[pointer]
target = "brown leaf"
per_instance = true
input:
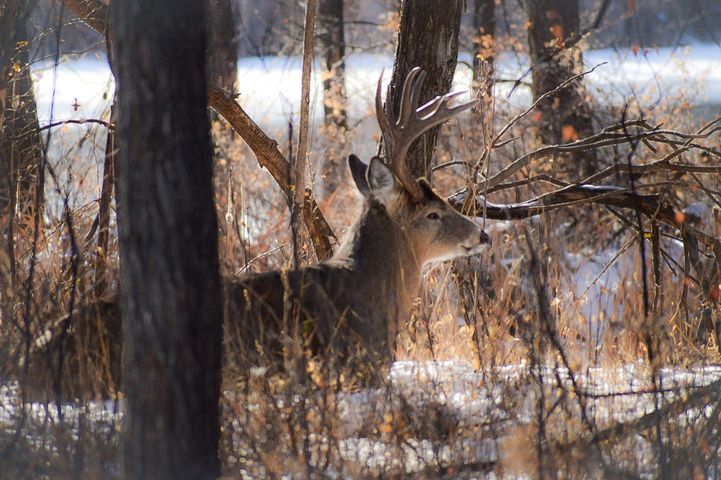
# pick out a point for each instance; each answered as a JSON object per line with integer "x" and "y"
{"x": 569, "y": 133}
{"x": 557, "y": 31}
{"x": 630, "y": 6}
{"x": 679, "y": 217}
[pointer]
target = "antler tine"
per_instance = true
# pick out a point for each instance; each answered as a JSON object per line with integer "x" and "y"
{"x": 383, "y": 121}
{"x": 437, "y": 110}
{"x": 410, "y": 94}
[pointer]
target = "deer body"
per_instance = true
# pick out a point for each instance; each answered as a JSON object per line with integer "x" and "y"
{"x": 354, "y": 302}
{"x": 355, "y": 297}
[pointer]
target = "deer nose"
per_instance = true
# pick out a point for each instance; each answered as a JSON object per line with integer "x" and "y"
{"x": 485, "y": 238}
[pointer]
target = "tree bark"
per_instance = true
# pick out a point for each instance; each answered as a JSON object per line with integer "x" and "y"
{"x": 22, "y": 177}
{"x": 222, "y": 45}
{"x": 331, "y": 37}
{"x": 170, "y": 284}
{"x": 21, "y": 173}
{"x": 484, "y": 38}
{"x": 567, "y": 116}
{"x": 106, "y": 194}
{"x": 428, "y": 38}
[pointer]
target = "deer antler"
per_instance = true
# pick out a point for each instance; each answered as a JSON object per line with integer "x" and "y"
{"x": 412, "y": 122}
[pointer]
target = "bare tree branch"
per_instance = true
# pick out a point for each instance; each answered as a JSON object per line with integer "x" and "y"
{"x": 613, "y": 135}
{"x": 269, "y": 157}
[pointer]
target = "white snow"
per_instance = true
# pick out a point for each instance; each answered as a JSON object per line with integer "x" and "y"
{"x": 269, "y": 87}
{"x": 474, "y": 401}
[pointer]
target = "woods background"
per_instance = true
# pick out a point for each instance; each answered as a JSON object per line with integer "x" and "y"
{"x": 584, "y": 343}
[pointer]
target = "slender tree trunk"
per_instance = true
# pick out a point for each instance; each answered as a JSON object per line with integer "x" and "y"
{"x": 428, "y": 38}
{"x": 21, "y": 155}
{"x": 107, "y": 189}
{"x": 331, "y": 37}
{"x": 222, "y": 45}
{"x": 170, "y": 294}
{"x": 567, "y": 116}
{"x": 484, "y": 39}
{"x": 21, "y": 173}
{"x": 106, "y": 194}
{"x": 9, "y": 15}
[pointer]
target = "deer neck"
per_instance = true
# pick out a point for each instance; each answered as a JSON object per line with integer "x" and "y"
{"x": 381, "y": 257}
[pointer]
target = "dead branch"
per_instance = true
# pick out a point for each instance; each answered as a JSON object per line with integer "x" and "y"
{"x": 269, "y": 157}
{"x": 549, "y": 93}
{"x": 97, "y": 121}
{"x": 651, "y": 205}
{"x": 615, "y": 135}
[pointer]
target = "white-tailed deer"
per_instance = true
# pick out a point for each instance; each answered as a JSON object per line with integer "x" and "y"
{"x": 355, "y": 301}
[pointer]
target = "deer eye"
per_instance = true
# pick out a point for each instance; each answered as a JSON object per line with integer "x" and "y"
{"x": 433, "y": 216}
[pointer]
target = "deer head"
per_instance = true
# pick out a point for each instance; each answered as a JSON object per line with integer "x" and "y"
{"x": 434, "y": 230}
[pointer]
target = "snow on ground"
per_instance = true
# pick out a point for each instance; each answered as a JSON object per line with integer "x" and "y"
{"x": 270, "y": 86}
{"x": 450, "y": 389}
{"x": 479, "y": 400}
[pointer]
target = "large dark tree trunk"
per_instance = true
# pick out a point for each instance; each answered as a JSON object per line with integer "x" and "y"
{"x": 565, "y": 116}
{"x": 222, "y": 45}
{"x": 428, "y": 38}
{"x": 331, "y": 38}
{"x": 170, "y": 285}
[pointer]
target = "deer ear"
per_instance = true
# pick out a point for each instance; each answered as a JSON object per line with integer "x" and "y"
{"x": 381, "y": 180}
{"x": 358, "y": 171}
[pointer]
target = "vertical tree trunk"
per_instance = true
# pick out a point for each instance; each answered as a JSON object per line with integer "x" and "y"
{"x": 170, "y": 294}
{"x": 484, "y": 39}
{"x": 222, "y": 45}
{"x": 21, "y": 175}
{"x": 106, "y": 193}
{"x": 428, "y": 38}
{"x": 331, "y": 37}
{"x": 107, "y": 187}
{"x": 9, "y": 15}
{"x": 21, "y": 155}
{"x": 566, "y": 116}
